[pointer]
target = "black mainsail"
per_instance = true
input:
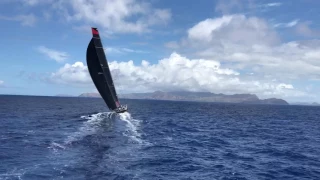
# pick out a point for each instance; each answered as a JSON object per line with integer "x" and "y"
{"x": 100, "y": 73}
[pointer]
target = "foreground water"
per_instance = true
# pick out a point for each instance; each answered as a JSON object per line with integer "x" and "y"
{"x": 76, "y": 138}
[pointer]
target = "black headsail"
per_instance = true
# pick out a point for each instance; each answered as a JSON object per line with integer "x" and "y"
{"x": 100, "y": 72}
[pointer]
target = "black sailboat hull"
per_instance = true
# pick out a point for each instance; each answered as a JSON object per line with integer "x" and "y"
{"x": 100, "y": 73}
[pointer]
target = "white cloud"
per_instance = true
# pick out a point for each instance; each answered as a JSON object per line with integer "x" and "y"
{"x": 293, "y": 60}
{"x": 235, "y": 29}
{"x": 177, "y": 73}
{"x": 159, "y": 16}
{"x": 289, "y": 24}
{"x": 284, "y": 86}
{"x": 203, "y": 31}
{"x": 25, "y": 20}
{"x": 252, "y": 47}
{"x": 243, "y": 6}
{"x": 53, "y": 54}
{"x": 121, "y": 16}
{"x": 292, "y": 23}
{"x": 113, "y": 15}
{"x": 251, "y": 44}
{"x": 273, "y": 4}
{"x": 239, "y": 54}
{"x": 76, "y": 73}
{"x": 116, "y": 50}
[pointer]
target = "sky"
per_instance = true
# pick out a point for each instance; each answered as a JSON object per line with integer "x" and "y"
{"x": 267, "y": 48}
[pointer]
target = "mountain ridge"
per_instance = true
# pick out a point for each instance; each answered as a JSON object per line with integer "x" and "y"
{"x": 197, "y": 96}
{"x": 306, "y": 103}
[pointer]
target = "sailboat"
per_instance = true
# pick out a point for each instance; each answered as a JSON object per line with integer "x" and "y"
{"x": 101, "y": 75}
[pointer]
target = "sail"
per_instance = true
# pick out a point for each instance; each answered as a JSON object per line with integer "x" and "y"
{"x": 100, "y": 72}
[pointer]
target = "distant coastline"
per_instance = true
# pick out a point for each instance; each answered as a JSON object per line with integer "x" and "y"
{"x": 155, "y": 96}
{"x": 197, "y": 96}
{"x": 65, "y": 95}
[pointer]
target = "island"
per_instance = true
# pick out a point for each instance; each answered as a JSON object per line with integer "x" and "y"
{"x": 197, "y": 96}
{"x": 96, "y": 95}
{"x": 306, "y": 103}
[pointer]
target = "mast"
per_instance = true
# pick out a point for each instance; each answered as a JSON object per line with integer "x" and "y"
{"x": 100, "y": 72}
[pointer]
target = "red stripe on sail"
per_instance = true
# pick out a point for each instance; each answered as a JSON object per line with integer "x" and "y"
{"x": 95, "y": 31}
{"x": 117, "y": 103}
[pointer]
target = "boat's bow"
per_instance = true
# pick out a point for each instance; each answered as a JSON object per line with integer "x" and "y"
{"x": 121, "y": 109}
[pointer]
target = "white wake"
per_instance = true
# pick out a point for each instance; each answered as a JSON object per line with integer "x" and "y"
{"x": 132, "y": 127}
{"x": 104, "y": 120}
{"x": 89, "y": 127}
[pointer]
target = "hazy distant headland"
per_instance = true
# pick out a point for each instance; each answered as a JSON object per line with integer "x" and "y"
{"x": 306, "y": 103}
{"x": 197, "y": 96}
{"x": 64, "y": 95}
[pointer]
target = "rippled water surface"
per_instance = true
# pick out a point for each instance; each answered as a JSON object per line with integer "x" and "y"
{"x": 77, "y": 138}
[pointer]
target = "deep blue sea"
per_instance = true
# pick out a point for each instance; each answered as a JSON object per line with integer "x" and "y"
{"x": 77, "y": 138}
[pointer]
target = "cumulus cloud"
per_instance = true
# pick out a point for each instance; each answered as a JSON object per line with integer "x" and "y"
{"x": 58, "y": 56}
{"x": 288, "y": 60}
{"x": 122, "y": 16}
{"x": 251, "y": 44}
{"x": 235, "y": 29}
{"x": 176, "y": 73}
{"x": 76, "y": 73}
{"x": 252, "y": 47}
{"x": 25, "y": 20}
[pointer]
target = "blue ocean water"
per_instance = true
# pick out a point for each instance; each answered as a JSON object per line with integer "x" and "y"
{"x": 77, "y": 138}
